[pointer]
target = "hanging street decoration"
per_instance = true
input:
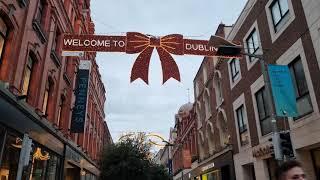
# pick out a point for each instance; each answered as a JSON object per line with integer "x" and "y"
{"x": 135, "y": 42}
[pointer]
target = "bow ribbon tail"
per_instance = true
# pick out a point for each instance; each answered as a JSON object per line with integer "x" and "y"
{"x": 169, "y": 66}
{"x": 140, "y": 67}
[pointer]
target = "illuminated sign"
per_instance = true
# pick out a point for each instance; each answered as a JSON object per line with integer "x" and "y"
{"x": 135, "y": 42}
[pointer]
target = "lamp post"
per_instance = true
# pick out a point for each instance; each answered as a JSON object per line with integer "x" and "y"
{"x": 233, "y": 51}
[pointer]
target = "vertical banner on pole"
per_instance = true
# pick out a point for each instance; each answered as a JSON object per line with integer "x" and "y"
{"x": 282, "y": 91}
{"x": 81, "y": 92}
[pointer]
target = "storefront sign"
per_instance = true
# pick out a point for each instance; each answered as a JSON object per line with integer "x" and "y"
{"x": 207, "y": 167}
{"x": 72, "y": 155}
{"x": 143, "y": 44}
{"x": 283, "y": 91}
{"x": 80, "y": 107}
{"x": 262, "y": 151}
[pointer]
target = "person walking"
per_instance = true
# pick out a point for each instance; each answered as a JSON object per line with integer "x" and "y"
{"x": 290, "y": 170}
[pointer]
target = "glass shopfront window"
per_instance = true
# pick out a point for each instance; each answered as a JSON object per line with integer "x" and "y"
{"x": 214, "y": 175}
{"x": 43, "y": 165}
{"x": 10, "y": 156}
{"x": 89, "y": 176}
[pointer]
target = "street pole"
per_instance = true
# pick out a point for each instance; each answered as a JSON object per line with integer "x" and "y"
{"x": 236, "y": 51}
{"x": 275, "y": 132}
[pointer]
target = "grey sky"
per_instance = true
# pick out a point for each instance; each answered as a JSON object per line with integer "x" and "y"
{"x": 151, "y": 108}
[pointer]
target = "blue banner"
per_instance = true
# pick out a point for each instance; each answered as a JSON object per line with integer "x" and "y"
{"x": 282, "y": 91}
{"x": 79, "y": 110}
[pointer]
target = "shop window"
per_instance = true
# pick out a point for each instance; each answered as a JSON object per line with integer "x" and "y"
{"x": 27, "y": 75}
{"x": 263, "y": 111}
{"x": 280, "y": 13}
{"x": 304, "y": 104}
{"x": 10, "y": 157}
{"x": 234, "y": 69}
{"x": 3, "y": 36}
{"x": 242, "y": 124}
{"x": 43, "y": 164}
{"x": 252, "y": 43}
{"x": 214, "y": 175}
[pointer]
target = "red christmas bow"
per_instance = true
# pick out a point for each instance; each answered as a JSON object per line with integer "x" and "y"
{"x": 137, "y": 42}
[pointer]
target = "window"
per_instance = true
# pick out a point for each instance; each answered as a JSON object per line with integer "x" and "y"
{"x": 205, "y": 74}
{"x": 279, "y": 11}
{"x": 60, "y": 108}
{"x": 40, "y": 11}
{"x": 304, "y": 104}
{"x": 46, "y": 97}
{"x": 252, "y": 43}
{"x": 263, "y": 111}
{"x": 235, "y": 69}
{"x": 10, "y": 156}
{"x": 43, "y": 164}
{"x": 3, "y": 35}
{"x": 27, "y": 76}
{"x": 243, "y": 130}
{"x": 207, "y": 103}
{"x": 218, "y": 89}
{"x": 197, "y": 89}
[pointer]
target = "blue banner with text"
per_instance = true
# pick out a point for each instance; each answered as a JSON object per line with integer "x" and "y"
{"x": 282, "y": 91}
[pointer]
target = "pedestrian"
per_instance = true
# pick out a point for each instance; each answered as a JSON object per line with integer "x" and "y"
{"x": 290, "y": 170}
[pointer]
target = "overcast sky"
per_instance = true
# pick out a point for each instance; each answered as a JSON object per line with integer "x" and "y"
{"x": 151, "y": 108}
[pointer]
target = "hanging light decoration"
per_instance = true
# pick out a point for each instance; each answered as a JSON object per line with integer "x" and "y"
{"x": 38, "y": 155}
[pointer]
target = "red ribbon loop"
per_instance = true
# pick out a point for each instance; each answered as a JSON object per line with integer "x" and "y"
{"x": 140, "y": 43}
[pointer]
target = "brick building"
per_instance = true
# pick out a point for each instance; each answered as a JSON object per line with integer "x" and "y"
{"x": 213, "y": 124}
{"x": 184, "y": 152}
{"x": 37, "y": 93}
{"x": 285, "y": 32}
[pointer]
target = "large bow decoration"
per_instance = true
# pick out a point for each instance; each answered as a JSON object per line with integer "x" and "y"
{"x": 135, "y": 42}
{"x": 140, "y": 43}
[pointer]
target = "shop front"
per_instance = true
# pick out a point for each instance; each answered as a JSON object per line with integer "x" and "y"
{"x": 29, "y": 148}
{"x": 77, "y": 166}
{"x": 218, "y": 168}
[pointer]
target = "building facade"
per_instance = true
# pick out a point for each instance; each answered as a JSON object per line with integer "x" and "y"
{"x": 213, "y": 123}
{"x": 184, "y": 151}
{"x": 284, "y": 32}
{"x": 37, "y": 93}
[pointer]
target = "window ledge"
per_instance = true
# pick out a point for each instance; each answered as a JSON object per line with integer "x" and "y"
{"x": 67, "y": 79}
{"x": 37, "y": 27}
{"x": 55, "y": 58}
{"x": 23, "y": 3}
